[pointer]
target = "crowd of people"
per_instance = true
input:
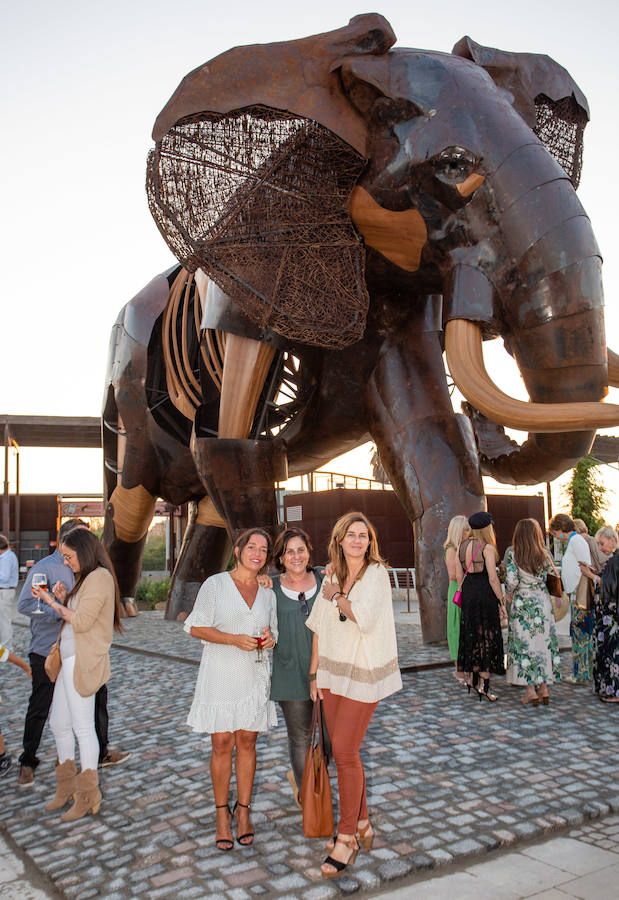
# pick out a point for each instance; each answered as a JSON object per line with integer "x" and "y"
{"x": 304, "y": 636}
{"x": 479, "y": 606}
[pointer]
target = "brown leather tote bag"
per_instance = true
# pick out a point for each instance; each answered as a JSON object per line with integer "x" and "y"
{"x": 53, "y": 662}
{"x": 315, "y": 796}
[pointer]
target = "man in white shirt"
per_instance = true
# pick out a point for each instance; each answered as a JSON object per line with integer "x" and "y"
{"x": 576, "y": 550}
{"x": 9, "y": 576}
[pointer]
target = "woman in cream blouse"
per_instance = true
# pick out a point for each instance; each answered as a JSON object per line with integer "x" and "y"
{"x": 354, "y": 664}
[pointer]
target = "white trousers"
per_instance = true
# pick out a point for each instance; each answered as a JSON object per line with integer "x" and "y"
{"x": 73, "y": 716}
{"x": 7, "y": 595}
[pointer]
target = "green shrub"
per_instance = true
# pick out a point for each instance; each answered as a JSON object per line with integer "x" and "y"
{"x": 152, "y": 592}
{"x": 153, "y": 558}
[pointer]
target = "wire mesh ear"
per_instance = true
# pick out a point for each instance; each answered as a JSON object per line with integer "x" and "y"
{"x": 258, "y": 199}
{"x": 560, "y": 126}
{"x": 543, "y": 93}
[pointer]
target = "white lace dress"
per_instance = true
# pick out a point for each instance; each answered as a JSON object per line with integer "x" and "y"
{"x": 232, "y": 689}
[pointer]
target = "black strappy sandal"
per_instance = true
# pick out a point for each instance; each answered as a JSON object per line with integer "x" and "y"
{"x": 484, "y": 691}
{"x": 241, "y": 838}
{"x": 219, "y": 842}
{"x": 336, "y": 864}
{"x": 473, "y": 682}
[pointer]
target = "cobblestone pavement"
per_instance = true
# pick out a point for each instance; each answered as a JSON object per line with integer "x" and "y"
{"x": 448, "y": 778}
{"x": 157, "y": 634}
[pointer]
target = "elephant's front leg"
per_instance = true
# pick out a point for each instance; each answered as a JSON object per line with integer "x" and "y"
{"x": 205, "y": 550}
{"x": 429, "y": 454}
{"x": 239, "y": 474}
{"x": 128, "y": 514}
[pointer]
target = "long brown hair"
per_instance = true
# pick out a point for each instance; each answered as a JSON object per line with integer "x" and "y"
{"x": 91, "y": 555}
{"x": 529, "y": 548}
{"x": 243, "y": 540}
{"x": 336, "y": 554}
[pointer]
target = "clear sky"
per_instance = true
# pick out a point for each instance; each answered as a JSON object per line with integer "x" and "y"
{"x": 82, "y": 84}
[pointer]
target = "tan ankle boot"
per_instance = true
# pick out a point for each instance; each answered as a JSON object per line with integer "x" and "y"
{"x": 65, "y": 784}
{"x": 87, "y": 796}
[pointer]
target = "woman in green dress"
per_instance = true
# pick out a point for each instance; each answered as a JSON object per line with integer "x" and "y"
{"x": 296, "y": 589}
{"x": 457, "y": 531}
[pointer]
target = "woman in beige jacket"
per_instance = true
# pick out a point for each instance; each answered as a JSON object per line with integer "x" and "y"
{"x": 90, "y": 613}
{"x": 354, "y": 665}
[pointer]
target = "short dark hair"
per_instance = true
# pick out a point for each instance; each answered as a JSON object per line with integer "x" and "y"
{"x": 561, "y": 522}
{"x": 4, "y": 542}
{"x": 282, "y": 542}
{"x": 243, "y": 539}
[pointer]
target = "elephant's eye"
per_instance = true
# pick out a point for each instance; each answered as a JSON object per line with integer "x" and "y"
{"x": 454, "y": 165}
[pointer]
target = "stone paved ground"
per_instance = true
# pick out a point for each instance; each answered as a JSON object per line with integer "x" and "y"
{"x": 156, "y": 634}
{"x": 448, "y": 778}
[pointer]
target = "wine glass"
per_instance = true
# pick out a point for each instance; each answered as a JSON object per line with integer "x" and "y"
{"x": 260, "y": 639}
{"x": 39, "y": 579}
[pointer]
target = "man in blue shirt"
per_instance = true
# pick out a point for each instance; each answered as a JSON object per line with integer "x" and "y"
{"x": 44, "y": 628}
{"x": 9, "y": 576}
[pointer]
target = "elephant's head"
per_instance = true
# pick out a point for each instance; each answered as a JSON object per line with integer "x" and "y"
{"x": 436, "y": 159}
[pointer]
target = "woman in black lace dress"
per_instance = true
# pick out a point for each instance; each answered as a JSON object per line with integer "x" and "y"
{"x": 480, "y": 651}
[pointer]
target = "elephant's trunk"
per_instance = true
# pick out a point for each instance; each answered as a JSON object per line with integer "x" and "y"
{"x": 552, "y": 304}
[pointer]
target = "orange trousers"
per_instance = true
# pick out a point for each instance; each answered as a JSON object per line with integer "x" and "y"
{"x": 347, "y": 722}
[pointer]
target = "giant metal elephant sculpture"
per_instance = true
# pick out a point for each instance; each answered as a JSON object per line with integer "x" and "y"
{"x": 350, "y": 211}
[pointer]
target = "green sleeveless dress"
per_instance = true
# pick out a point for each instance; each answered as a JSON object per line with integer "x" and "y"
{"x": 453, "y": 618}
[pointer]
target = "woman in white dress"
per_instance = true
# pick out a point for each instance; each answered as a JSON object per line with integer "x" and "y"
{"x": 236, "y": 620}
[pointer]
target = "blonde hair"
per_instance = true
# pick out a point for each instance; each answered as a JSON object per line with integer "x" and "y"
{"x": 608, "y": 532}
{"x": 486, "y": 536}
{"x": 455, "y": 532}
{"x": 336, "y": 554}
{"x": 580, "y": 526}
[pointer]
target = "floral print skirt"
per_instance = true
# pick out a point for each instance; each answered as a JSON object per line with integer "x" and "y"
{"x": 532, "y": 646}
{"x": 606, "y": 644}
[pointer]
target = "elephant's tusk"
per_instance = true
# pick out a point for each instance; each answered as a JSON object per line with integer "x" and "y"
{"x": 463, "y": 348}
{"x": 613, "y": 369}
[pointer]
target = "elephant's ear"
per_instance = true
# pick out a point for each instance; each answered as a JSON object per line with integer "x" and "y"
{"x": 297, "y": 76}
{"x": 544, "y": 94}
{"x": 256, "y": 156}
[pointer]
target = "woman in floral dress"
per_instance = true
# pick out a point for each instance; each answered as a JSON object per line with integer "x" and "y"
{"x": 532, "y": 647}
{"x": 606, "y": 612}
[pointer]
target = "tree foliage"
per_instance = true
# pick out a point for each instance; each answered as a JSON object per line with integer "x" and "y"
{"x": 587, "y": 494}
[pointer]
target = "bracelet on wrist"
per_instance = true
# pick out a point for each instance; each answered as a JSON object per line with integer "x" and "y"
{"x": 312, "y": 676}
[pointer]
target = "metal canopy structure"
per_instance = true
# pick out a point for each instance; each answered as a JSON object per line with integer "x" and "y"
{"x": 41, "y": 431}
{"x": 51, "y": 431}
